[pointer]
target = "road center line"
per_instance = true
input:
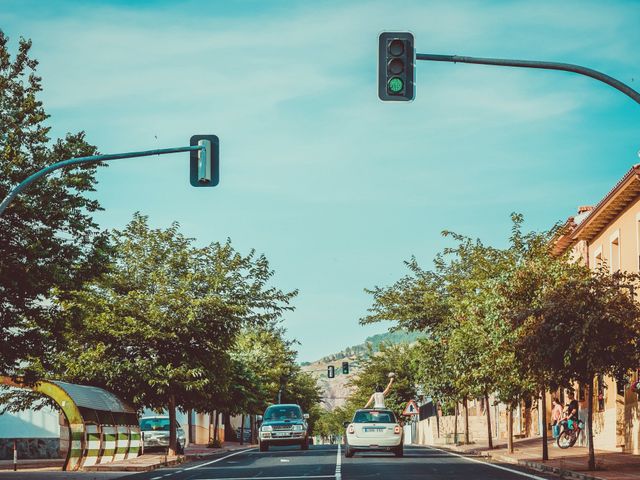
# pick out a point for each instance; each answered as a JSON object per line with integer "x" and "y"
{"x": 339, "y": 463}
{"x": 518, "y": 472}
{"x": 219, "y": 459}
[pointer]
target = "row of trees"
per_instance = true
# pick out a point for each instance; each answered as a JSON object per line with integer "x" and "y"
{"x": 513, "y": 323}
{"x": 143, "y": 312}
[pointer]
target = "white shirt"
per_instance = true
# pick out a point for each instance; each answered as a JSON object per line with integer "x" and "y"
{"x": 378, "y": 399}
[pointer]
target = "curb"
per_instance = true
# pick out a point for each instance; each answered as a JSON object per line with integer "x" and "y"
{"x": 114, "y": 467}
{"x": 529, "y": 464}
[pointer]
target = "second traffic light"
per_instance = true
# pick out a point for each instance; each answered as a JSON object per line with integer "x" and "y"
{"x": 331, "y": 371}
{"x": 345, "y": 368}
{"x": 396, "y": 66}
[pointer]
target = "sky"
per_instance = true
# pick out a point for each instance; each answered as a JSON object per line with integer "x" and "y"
{"x": 334, "y": 186}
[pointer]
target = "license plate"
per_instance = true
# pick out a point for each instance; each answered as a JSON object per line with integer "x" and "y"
{"x": 371, "y": 429}
{"x": 281, "y": 434}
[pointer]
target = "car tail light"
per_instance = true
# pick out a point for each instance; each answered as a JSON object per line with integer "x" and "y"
{"x": 351, "y": 429}
{"x": 396, "y": 429}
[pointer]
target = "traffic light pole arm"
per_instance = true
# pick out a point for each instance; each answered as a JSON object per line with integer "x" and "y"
{"x": 567, "y": 67}
{"x": 88, "y": 161}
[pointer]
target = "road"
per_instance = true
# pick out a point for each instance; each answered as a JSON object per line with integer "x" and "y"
{"x": 324, "y": 462}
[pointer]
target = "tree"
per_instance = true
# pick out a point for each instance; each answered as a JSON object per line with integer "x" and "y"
{"x": 374, "y": 372}
{"x": 157, "y": 328}
{"x": 48, "y": 238}
{"x": 597, "y": 321}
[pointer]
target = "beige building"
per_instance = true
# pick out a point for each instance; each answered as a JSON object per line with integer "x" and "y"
{"x": 608, "y": 236}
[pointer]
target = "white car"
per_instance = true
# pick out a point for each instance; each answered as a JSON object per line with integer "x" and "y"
{"x": 374, "y": 429}
{"x": 155, "y": 433}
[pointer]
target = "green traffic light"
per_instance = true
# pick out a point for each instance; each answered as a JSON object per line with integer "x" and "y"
{"x": 396, "y": 85}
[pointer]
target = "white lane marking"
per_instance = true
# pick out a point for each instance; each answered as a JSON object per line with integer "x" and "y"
{"x": 518, "y": 472}
{"x": 219, "y": 459}
{"x": 285, "y": 460}
{"x": 269, "y": 478}
{"x": 338, "y": 474}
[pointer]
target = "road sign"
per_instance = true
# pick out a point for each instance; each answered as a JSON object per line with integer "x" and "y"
{"x": 411, "y": 408}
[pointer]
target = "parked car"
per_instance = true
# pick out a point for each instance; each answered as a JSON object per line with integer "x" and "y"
{"x": 155, "y": 433}
{"x": 374, "y": 430}
{"x": 284, "y": 424}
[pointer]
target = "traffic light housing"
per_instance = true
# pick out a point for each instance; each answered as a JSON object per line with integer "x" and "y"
{"x": 396, "y": 66}
{"x": 331, "y": 371}
{"x": 205, "y": 164}
{"x": 345, "y": 368}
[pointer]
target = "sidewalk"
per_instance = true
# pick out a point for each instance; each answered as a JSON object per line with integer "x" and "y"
{"x": 569, "y": 463}
{"x": 143, "y": 463}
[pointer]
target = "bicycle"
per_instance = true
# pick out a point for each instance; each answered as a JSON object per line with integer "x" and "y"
{"x": 569, "y": 436}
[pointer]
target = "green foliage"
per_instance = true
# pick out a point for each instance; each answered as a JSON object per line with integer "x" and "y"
{"x": 374, "y": 372}
{"x": 48, "y": 239}
{"x": 162, "y": 320}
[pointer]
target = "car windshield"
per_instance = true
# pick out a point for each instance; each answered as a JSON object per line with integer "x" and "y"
{"x": 280, "y": 412}
{"x": 155, "y": 424}
{"x": 373, "y": 416}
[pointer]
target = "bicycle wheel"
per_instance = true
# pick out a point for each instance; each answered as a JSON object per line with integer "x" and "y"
{"x": 564, "y": 440}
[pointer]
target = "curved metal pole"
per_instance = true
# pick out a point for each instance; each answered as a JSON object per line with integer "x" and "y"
{"x": 87, "y": 161}
{"x": 567, "y": 67}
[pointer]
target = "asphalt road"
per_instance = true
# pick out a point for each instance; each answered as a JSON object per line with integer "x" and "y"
{"x": 324, "y": 462}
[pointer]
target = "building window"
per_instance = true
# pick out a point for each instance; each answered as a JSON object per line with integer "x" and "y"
{"x": 597, "y": 258}
{"x": 615, "y": 255}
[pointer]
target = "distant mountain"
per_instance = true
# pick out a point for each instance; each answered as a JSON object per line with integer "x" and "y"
{"x": 335, "y": 390}
{"x": 374, "y": 341}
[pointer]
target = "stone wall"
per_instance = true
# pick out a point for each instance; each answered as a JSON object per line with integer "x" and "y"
{"x": 30, "y": 448}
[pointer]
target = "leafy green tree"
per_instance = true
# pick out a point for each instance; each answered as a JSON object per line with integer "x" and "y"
{"x": 374, "y": 372}
{"x": 158, "y": 327}
{"x": 48, "y": 238}
{"x": 594, "y": 318}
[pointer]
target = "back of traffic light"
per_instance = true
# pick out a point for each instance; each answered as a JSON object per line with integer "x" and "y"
{"x": 331, "y": 371}
{"x": 396, "y": 66}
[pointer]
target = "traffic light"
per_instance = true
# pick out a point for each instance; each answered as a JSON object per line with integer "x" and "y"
{"x": 205, "y": 164}
{"x": 345, "y": 368}
{"x": 331, "y": 371}
{"x": 396, "y": 66}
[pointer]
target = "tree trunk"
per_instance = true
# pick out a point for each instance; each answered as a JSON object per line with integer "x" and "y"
{"x": 466, "y": 421}
{"x": 489, "y": 434}
{"x": 510, "y": 428}
{"x": 172, "y": 425}
{"x": 242, "y": 429}
{"x": 252, "y": 421}
{"x": 543, "y": 407}
{"x": 455, "y": 424}
{"x": 190, "y": 432}
{"x": 592, "y": 453}
{"x": 216, "y": 426}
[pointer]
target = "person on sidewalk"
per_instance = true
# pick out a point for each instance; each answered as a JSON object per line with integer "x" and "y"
{"x": 378, "y": 397}
{"x": 556, "y": 416}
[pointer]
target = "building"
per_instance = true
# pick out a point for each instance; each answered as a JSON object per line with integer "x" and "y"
{"x": 608, "y": 236}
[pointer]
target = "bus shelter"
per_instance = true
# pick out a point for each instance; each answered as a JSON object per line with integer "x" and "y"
{"x": 101, "y": 427}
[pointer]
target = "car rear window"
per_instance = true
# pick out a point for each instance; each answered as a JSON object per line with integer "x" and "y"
{"x": 374, "y": 416}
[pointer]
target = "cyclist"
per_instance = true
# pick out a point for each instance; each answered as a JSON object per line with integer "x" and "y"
{"x": 572, "y": 410}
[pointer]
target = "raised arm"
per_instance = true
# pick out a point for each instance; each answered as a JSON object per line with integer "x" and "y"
{"x": 386, "y": 390}
{"x": 369, "y": 402}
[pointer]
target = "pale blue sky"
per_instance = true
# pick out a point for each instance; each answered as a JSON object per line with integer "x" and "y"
{"x": 334, "y": 186}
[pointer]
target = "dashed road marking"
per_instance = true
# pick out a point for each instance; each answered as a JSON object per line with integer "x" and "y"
{"x": 338, "y": 474}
